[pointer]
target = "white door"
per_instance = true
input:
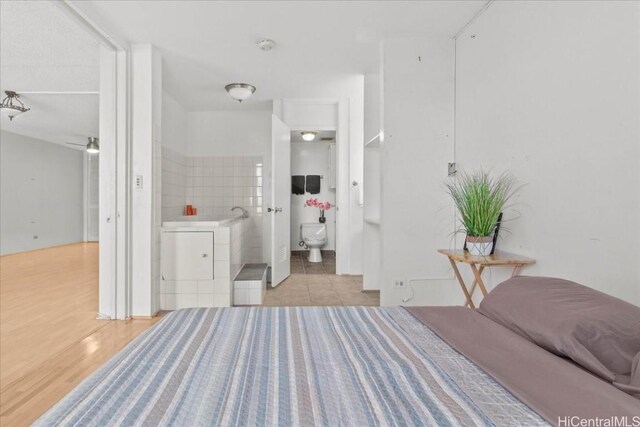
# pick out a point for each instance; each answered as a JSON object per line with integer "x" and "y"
{"x": 280, "y": 204}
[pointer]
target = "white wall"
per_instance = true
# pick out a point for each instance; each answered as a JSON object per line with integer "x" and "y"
{"x": 371, "y": 112}
{"x": 147, "y": 163}
{"x": 174, "y": 159}
{"x": 550, "y": 91}
{"x": 42, "y": 188}
{"x": 312, "y": 158}
{"x": 174, "y": 124}
{"x": 372, "y": 248}
{"x": 229, "y": 133}
{"x": 416, "y": 218}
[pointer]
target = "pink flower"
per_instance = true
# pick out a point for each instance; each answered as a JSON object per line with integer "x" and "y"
{"x": 312, "y": 202}
{"x": 315, "y": 203}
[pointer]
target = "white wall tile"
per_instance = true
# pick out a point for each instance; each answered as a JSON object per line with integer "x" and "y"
{"x": 206, "y": 287}
{"x": 188, "y": 300}
{"x": 206, "y": 300}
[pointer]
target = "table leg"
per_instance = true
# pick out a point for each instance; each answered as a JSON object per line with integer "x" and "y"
{"x": 516, "y": 271}
{"x": 462, "y": 285}
{"x": 475, "y": 283}
{"x": 476, "y": 273}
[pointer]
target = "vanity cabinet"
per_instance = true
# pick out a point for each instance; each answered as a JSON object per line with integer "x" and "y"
{"x": 199, "y": 260}
{"x": 187, "y": 255}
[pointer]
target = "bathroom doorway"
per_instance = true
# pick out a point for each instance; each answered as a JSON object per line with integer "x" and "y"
{"x": 313, "y": 201}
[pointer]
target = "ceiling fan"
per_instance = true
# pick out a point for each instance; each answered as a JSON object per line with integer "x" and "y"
{"x": 92, "y": 146}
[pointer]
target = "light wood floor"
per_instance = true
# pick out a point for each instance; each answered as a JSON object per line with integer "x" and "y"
{"x": 50, "y": 339}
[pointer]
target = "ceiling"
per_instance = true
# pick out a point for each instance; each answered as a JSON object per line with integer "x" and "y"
{"x": 42, "y": 50}
{"x": 207, "y": 44}
{"x": 296, "y": 137}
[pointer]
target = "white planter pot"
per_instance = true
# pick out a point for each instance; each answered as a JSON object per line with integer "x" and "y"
{"x": 479, "y": 246}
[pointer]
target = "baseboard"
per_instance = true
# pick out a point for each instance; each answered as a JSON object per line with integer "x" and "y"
{"x": 81, "y": 242}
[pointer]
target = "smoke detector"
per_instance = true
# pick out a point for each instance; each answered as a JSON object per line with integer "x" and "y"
{"x": 266, "y": 44}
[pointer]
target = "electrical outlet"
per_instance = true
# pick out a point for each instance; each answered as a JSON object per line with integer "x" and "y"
{"x": 399, "y": 283}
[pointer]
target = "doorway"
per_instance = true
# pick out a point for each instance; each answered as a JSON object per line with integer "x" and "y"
{"x": 313, "y": 198}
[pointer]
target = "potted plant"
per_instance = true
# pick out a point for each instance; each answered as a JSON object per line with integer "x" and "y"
{"x": 480, "y": 198}
{"x": 323, "y": 206}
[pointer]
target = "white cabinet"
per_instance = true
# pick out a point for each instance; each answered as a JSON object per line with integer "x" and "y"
{"x": 187, "y": 255}
{"x": 199, "y": 261}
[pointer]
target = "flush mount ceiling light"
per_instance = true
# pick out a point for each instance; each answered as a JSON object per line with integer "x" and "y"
{"x": 240, "y": 91}
{"x": 308, "y": 136}
{"x": 266, "y": 44}
{"x": 9, "y": 109}
{"x": 93, "y": 147}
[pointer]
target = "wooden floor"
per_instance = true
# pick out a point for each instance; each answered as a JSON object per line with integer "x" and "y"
{"x": 49, "y": 336}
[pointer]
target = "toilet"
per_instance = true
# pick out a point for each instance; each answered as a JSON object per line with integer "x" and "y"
{"x": 314, "y": 237}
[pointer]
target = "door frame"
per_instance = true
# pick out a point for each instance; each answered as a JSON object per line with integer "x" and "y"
{"x": 343, "y": 168}
{"x": 114, "y": 280}
{"x": 340, "y": 262}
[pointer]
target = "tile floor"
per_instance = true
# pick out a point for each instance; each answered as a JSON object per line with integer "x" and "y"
{"x": 316, "y": 284}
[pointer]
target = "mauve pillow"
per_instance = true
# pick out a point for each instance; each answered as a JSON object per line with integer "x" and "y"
{"x": 597, "y": 331}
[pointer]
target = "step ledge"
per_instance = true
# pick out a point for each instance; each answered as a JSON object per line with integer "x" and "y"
{"x": 251, "y": 272}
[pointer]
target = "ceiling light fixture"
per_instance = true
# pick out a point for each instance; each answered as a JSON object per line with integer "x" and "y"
{"x": 240, "y": 91}
{"x": 266, "y": 44}
{"x": 9, "y": 109}
{"x": 308, "y": 136}
{"x": 93, "y": 147}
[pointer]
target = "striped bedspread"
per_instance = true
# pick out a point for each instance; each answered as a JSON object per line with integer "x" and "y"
{"x": 298, "y": 366}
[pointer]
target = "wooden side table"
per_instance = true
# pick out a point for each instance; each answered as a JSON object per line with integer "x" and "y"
{"x": 478, "y": 264}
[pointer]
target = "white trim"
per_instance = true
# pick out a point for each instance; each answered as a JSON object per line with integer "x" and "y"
{"x": 311, "y": 101}
{"x": 314, "y": 127}
{"x": 108, "y": 196}
{"x": 85, "y": 197}
{"x": 22, "y": 92}
{"x": 343, "y": 187}
{"x": 123, "y": 185}
{"x": 105, "y": 39}
{"x": 473, "y": 19}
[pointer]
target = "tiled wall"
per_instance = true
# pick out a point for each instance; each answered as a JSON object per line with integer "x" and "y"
{"x": 175, "y": 168}
{"x": 214, "y": 185}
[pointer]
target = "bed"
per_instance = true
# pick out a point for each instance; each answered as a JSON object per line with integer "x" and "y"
{"x": 355, "y": 366}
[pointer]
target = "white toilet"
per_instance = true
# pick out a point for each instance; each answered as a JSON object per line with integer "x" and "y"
{"x": 314, "y": 237}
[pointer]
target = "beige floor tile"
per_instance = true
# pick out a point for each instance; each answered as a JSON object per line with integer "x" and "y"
{"x": 340, "y": 279}
{"x": 347, "y": 287}
{"x": 321, "y": 286}
{"x": 318, "y": 278}
{"x": 322, "y": 293}
{"x": 315, "y": 284}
